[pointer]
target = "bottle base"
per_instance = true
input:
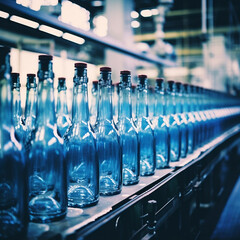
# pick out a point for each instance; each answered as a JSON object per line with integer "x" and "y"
{"x": 81, "y": 204}
{"x": 38, "y": 218}
{"x": 130, "y": 182}
{"x": 110, "y": 193}
{"x": 145, "y": 174}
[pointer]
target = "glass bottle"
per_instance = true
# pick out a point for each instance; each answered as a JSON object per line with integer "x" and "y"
{"x": 94, "y": 103}
{"x": 161, "y": 133}
{"x": 134, "y": 102}
{"x": 108, "y": 141}
{"x": 182, "y": 119}
{"x": 145, "y": 130}
{"x": 151, "y": 102}
{"x": 31, "y": 104}
{"x": 13, "y": 174}
{"x": 16, "y": 106}
{"x": 115, "y": 100}
{"x": 47, "y": 163}
{"x": 63, "y": 120}
{"x": 128, "y": 132}
{"x": 174, "y": 129}
{"x": 191, "y": 122}
{"x": 80, "y": 140}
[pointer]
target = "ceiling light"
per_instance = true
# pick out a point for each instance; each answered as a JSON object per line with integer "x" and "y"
{"x": 154, "y": 11}
{"x": 51, "y": 30}
{"x": 24, "y": 21}
{"x": 4, "y": 14}
{"x": 135, "y": 24}
{"x": 134, "y": 14}
{"x": 146, "y": 13}
{"x": 73, "y": 38}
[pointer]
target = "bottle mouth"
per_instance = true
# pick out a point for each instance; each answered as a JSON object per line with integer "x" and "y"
{"x": 80, "y": 65}
{"x": 45, "y": 57}
{"x": 105, "y": 69}
{"x": 125, "y": 72}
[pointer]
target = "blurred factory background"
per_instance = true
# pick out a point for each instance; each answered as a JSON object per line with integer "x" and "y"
{"x": 189, "y": 41}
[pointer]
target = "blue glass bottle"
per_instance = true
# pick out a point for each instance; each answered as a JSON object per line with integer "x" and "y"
{"x": 16, "y": 106}
{"x": 191, "y": 122}
{"x": 31, "y": 105}
{"x": 174, "y": 129}
{"x": 63, "y": 120}
{"x": 13, "y": 171}
{"x": 182, "y": 119}
{"x": 128, "y": 132}
{"x": 145, "y": 130}
{"x": 47, "y": 163}
{"x": 134, "y": 102}
{"x": 80, "y": 140}
{"x": 161, "y": 133}
{"x": 108, "y": 141}
{"x": 94, "y": 103}
{"x": 151, "y": 102}
{"x": 115, "y": 100}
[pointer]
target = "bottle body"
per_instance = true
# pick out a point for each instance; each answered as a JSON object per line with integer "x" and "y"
{"x": 13, "y": 167}
{"x": 46, "y": 155}
{"x": 108, "y": 141}
{"x": 128, "y": 132}
{"x": 145, "y": 130}
{"x": 81, "y": 152}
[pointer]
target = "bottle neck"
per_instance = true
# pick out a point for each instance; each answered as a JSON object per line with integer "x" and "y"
{"x": 125, "y": 107}
{"x": 186, "y": 103}
{"x": 31, "y": 107}
{"x": 159, "y": 109}
{"x": 179, "y": 103}
{"x": 62, "y": 102}
{"x": 16, "y": 106}
{"x": 105, "y": 103}
{"x": 170, "y": 104}
{"x": 142, "y": 103}
{"x": 5, "y": 103}
{"x": 80, "y": 109}
{"x": 46, "y": 110}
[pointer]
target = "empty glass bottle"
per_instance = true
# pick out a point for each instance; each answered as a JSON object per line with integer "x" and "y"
{"x": 161, "y": 126}
{"x": 31, "y": 104}
{"x": 94, "y": 103}
{"x": 63, "y": 120}
{"x": 128, "y": 132}
{"x": 83, "y": 168}
{"x": 145, "y": 130}
{"x": 151, "y": 102}
{"x": 174, "y": 129}
{"x": 16, "y": 105}
{"x": 47, "y": 163}
{"x": 13, "y": 172}
{"x": 108, "y": 141}
{"x": 134, "y": 102}
{"x": 182, "y": 119}
{"x": 115, "y": 100}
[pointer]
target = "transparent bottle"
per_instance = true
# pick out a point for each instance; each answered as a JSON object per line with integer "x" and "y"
{"x": 128, "y": 132}
{"x": 134, "y": 102}
{"x": 80, "y": 140}
{"x": 108, "y": 141}
{"x": 94, "y": 103}
{"x": 16, "y": 106}
{"x": 115, "y": 100}
{"x": 151, "y": 102}
{"x": 160, "y": 124}
{"x": 145, "y": 130}
{"x": 13, "y": 171}
{"x": 63, "y": 119}
{"x": 191, "y": 122}
{"x": 174, "y": 129}
{"x": 31, "y": 104}
{"x": 47, "y": 162}
{"x": 182, "y": 119}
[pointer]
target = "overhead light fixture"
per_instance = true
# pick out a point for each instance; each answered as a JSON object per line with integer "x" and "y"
{"x": 135, "y": 24}
{"x": 51, "y": 30}
{"x": 24, "y": 21}
{"x": 154, "y": 11}
{"x": 73, "y": 38}
{"x": 134, "y": 14}
{"x": 146, "y": 13}
{"x": 4, "y": 14}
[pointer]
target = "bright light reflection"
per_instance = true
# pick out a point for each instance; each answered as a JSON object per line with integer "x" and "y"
{"x": 134, "y": 14}
{"x": 73, "y": 38}
{"x": 135, "y": 24}
{"x": 154, "y": 11}
{"x": 51, "y": 30}
{"x": 101, "y": 25}
{"x": 24, "y": 21}
{"x": 146, "y": 13}
{"x": 4, "y": 14}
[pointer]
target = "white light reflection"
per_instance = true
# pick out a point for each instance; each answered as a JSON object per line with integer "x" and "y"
{"x": 51, "y": 30}
{"x": 146, "y": 13}
{"x": 24, "y": 21}
{"x": 4, "y": 14}
{"x": 73, "y": 38}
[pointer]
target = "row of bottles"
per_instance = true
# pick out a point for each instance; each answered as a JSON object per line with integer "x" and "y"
{"x": 55, "y": 162}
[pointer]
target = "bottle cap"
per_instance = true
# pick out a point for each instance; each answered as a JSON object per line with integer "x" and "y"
{"x": 15, "y": 80}
{"x": 45, "y": 57}
{"x": 171, "y": 85}
{"x": 179, "y": 86}
{"x": 31, "y": 80}
{"x": 125, "y": 72}
{"x": 80, "y": 65}
{"x": 105, "y": 69}
{"x": 142, "y": 81}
